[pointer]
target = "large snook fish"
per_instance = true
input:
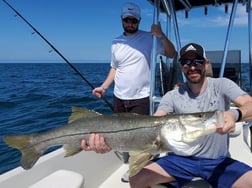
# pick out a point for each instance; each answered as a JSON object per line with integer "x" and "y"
{"x": 122, "y": 132}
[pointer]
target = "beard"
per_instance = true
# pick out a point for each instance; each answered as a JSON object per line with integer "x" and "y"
{"x": 195, "y": 76}
{"x": 130, "y": 29}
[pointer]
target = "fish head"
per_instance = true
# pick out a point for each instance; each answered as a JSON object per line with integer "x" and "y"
{"x": 200, "y": 124}
{"x": 201, "y": 120}
{"x": 183, "y": 131}
{"x": 188, "y": 127}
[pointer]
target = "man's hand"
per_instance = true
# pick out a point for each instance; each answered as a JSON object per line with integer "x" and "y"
{"x": 96, "y": 143}
{"x": 156, "y": 30}
{"x": 229, "y": 123}
{"x": 99, "y": 91}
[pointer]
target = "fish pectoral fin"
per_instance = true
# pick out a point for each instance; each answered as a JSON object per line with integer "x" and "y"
{"x": 71, "y": 150}
{"x": 156, "y": 145}
{"x": 78, "y": 112}
{"x": 137, "y": 160}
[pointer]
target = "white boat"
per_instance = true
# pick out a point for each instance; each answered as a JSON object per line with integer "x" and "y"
{"x": 91, "y": 170}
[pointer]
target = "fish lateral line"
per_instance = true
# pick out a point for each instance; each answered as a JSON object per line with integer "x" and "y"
{"x": 100, "y": 132}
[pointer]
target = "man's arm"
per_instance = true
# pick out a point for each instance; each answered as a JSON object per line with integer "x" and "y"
{"x": 99, "y": 91}
{"x": 156, "y": 30}
{"x": 160, "y": 113}
{"x": 244, "y": 103}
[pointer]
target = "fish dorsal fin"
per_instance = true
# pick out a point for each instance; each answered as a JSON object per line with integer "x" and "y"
{"x": 78, "y": 112}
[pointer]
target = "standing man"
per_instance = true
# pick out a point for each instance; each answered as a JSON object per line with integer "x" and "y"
{"x": 130, "y": 64}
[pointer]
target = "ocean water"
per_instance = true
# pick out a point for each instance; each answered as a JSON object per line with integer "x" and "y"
{"x": 36, "y": 97}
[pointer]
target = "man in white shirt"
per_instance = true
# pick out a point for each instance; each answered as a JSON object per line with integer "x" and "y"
{"x": 130, "y": 63}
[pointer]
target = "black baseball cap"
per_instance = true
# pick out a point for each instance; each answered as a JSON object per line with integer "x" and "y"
{"x": 192, "y": 47}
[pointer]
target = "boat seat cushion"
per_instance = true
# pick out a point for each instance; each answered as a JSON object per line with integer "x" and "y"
{"x": 61, "y": 179}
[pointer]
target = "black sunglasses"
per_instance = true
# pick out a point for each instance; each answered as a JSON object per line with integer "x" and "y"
{"x": 130, "y": 20}
{"x": 192, "y": 62}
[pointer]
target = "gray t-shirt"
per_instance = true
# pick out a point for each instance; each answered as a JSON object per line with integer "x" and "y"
{"x": 217, "y": 96}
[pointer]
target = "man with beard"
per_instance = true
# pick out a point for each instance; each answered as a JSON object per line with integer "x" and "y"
{"x": 130, "y": 64}
{"x": 207, "y": 157}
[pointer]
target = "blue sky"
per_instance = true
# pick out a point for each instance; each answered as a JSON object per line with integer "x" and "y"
{"x": 82, "y": 30}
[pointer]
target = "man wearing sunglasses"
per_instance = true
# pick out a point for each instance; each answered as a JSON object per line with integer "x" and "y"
{"x": 207, "y": 157}
{"x": 130, "y": 64}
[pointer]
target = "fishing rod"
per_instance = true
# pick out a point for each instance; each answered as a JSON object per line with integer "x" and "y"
{"x": 71, "y": 65}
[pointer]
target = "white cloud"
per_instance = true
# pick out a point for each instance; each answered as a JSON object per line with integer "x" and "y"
{"x": 216, "y": 17}
{"x": 241, "y": 16}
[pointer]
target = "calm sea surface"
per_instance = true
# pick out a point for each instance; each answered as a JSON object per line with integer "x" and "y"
{"x": 37, "y": 97}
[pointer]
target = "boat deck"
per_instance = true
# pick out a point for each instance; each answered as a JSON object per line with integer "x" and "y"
{"x": 90, "y": 165}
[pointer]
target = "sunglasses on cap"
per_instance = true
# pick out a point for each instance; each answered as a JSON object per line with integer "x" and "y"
{"x": 192, "y": 62}
{"x": 130, "y": 20}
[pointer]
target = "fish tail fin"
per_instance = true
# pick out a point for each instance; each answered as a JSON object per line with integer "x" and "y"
{"x": 29, "y": 154}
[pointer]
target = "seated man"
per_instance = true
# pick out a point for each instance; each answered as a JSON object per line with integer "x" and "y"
{"x": 208, "y": 156}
